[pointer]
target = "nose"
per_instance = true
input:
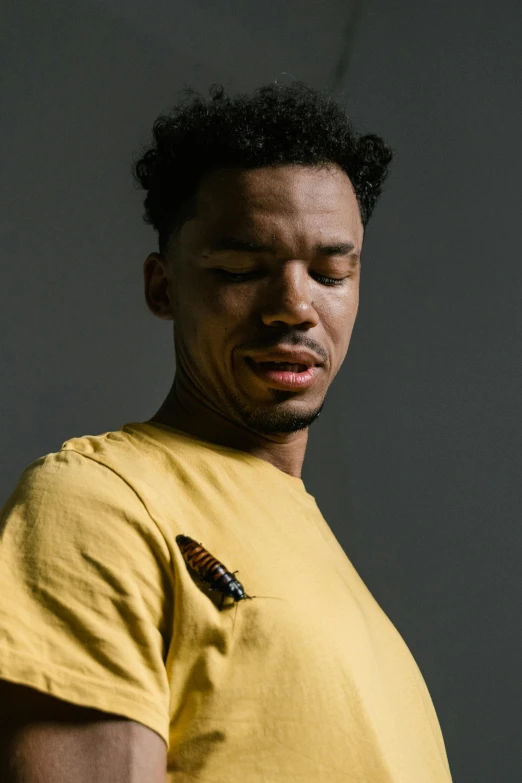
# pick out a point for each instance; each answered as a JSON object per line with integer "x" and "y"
{"x": 288, "y": 298}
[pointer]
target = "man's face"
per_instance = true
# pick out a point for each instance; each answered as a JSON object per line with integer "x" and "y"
{"x": 270, "y": 263}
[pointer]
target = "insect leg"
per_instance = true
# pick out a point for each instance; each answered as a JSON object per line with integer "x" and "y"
{"x": 234, "y": 621}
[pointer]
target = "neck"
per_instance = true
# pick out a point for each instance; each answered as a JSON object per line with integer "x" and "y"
{"x": 184, "y": 410}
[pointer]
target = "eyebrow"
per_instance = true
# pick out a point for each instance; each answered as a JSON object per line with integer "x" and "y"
{"x": 246, "y": 246}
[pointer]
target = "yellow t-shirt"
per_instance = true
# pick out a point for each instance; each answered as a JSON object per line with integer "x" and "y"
{"x": 307, "y": 682}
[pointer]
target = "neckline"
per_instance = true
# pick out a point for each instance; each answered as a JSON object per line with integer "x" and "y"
{"x": 297, "y": 482}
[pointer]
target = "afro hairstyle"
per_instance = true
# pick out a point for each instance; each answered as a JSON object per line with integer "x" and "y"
{"x": 276, "y": 124}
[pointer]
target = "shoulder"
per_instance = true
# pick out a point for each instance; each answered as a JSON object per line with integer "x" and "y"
{"x": 72, "y": 513}
{"x": 84, "y": 490}
{"x": 140, "y": 455}
{"x": 64, "y": 476}
{"x": 111, "y": 462}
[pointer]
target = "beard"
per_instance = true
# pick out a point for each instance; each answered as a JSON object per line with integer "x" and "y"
{"x": 276, "y": 419}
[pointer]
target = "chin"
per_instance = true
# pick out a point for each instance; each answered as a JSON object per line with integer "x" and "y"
{"x": 278, "y": 419}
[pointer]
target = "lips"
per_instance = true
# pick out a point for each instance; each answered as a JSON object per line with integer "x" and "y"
{"x": 283, "y": 375}
{"x": 287, "y": 356}
{"x": 286, "y": 366}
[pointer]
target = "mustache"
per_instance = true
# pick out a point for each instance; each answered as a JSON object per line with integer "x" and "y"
{"x": 290, "y": 340}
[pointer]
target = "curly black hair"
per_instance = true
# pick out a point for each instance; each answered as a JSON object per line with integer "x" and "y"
{"x": 276, "y": 124}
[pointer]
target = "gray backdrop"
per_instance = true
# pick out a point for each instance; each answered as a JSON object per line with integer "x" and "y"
{"x": 415, "y": 460}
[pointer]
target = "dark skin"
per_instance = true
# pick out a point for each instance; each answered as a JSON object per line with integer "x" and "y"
{"x": 46, "y": 740}
{"x": 283, "y": 300}
{"x": 300, "y": 289}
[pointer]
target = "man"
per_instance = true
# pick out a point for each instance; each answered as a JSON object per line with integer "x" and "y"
{"x": 119, "y": 661}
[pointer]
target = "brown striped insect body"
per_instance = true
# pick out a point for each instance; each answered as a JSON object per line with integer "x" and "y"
{"x": 210, "y": 570}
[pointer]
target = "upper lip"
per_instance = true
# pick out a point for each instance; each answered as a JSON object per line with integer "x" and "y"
{"x": 286, "y": 355}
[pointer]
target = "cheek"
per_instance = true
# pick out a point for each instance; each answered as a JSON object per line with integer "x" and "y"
{"x": 233, "y": 304}
{"x": 338, "y": 323}
{"x": 206, "y": 319}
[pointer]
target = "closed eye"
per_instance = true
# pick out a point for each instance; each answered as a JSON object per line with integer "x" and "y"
{"x": 239, "y": 277}
{"x": 330, "y": 280}
{"x": 235, "y": 277}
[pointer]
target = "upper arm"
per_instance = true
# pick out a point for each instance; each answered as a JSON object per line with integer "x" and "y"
{"x": 47, "y": 740}
{"x": 86, "y": 598}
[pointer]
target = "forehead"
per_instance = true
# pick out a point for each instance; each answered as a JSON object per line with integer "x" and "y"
{"x": 277, "y": 199}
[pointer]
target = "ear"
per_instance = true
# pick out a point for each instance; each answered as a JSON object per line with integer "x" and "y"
{"x": 158, "y": 292}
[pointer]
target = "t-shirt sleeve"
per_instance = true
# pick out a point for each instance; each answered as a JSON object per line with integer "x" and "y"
{"x": 86, "y": 590}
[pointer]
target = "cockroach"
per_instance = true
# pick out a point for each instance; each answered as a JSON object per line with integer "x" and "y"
{"x": 210, "y": 570}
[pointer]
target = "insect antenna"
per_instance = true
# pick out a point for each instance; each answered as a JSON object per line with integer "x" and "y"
{"x": 269, "y": 597}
